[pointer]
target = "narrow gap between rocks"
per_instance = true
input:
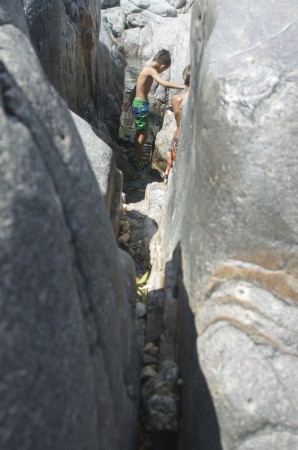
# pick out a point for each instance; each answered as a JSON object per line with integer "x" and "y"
{"x": 138, "y": 225}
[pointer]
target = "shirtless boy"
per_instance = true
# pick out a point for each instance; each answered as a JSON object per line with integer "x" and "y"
{"x": 140, "y": 103}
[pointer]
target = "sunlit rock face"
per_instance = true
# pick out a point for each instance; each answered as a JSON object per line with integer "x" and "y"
{"x": 66, "y": 36}
{"x": 160, "y": 7}
{"x": 233, "y": 214}
{"x": 68, "y": 371}
{"x": 103, "y": 163}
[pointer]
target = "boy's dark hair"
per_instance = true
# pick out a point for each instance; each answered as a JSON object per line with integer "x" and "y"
{"x": 186, "y": 75}
{"x": 163, "y": 57}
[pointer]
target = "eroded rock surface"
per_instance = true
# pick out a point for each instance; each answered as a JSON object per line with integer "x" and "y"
{"x": 68, "y": 371}
{"x": 232, "y": 215}
{"x": 103, "y": 163}
{"x": 65, "y": 35}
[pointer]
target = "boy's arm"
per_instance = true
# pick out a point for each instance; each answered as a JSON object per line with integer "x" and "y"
{"x": 128, "y": 103}
{"x": 164, "y": 83}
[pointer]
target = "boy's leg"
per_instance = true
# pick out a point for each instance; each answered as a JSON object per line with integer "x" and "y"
{"x": 140, "y": 109}
{"x": 140, "y": 140}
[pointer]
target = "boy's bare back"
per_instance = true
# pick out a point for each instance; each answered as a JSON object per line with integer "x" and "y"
{"x": 146, "y": 77}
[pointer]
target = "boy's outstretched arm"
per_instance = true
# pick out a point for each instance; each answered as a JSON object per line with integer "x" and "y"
{"x": 164, "y": 83}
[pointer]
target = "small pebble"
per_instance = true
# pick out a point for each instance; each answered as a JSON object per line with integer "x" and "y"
{"x": 151, "y": 349}
{"x": 140, "y": 310}
{"x": 148, "y": 372}
{"x": 124, "y": 238}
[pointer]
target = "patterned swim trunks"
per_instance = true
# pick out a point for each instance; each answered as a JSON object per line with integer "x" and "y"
{"x": 140, "y": 110}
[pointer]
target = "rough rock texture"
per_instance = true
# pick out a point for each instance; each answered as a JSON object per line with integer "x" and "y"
{"x": 160, "y": 397}
{"x": 163, "y": 140}
{"x": 102, "y": 160}
{"x": 177, "y": 3}
{"x": 233, "y": 211}
{"x": 68, "y": 370}
{"x": 109, "y": 3}
{"x": 65, "y": 34}
{"x": 129, "y": 41}
{"x": 115, "y": 17}
{"x": 159, "y": 7}
{"x": 111, "y": 79}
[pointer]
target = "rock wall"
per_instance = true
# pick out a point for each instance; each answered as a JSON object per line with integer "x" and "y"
{"x": 232, "y": 216}
{"x": 109, "y": 3}
{"x": 68, "y": 371}
{"x": 65, "y": 34}
{"x": 103, "y": 163}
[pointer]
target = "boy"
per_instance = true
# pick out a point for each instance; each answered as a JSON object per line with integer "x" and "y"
{"x": 140, "y": 103}
{"x": 176, "y": 101}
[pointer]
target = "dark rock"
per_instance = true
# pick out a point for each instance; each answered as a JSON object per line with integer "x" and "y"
{"x": 161, "y": 400}
{"x": 63, "y": 293}
{"x": 80, "y": 59}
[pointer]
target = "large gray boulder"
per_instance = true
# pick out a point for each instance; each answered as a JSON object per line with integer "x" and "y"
{"x": 103, "y": 163}
{"x": 160, "y": 7}
{"x": 164, "y": 139}
{"x": 68, "y": 364}
{"x": 115, "y": 18}
{"x": 111, "y": 79}
{"x": 65, "y": 34}
{"x": 233, "y": 217}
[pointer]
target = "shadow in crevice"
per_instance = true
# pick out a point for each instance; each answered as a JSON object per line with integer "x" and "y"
{"x": 135, "y": 190}
{"x": 200, "y": 428}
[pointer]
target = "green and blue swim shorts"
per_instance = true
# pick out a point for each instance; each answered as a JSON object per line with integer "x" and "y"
{"x": 140, "y": 110}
